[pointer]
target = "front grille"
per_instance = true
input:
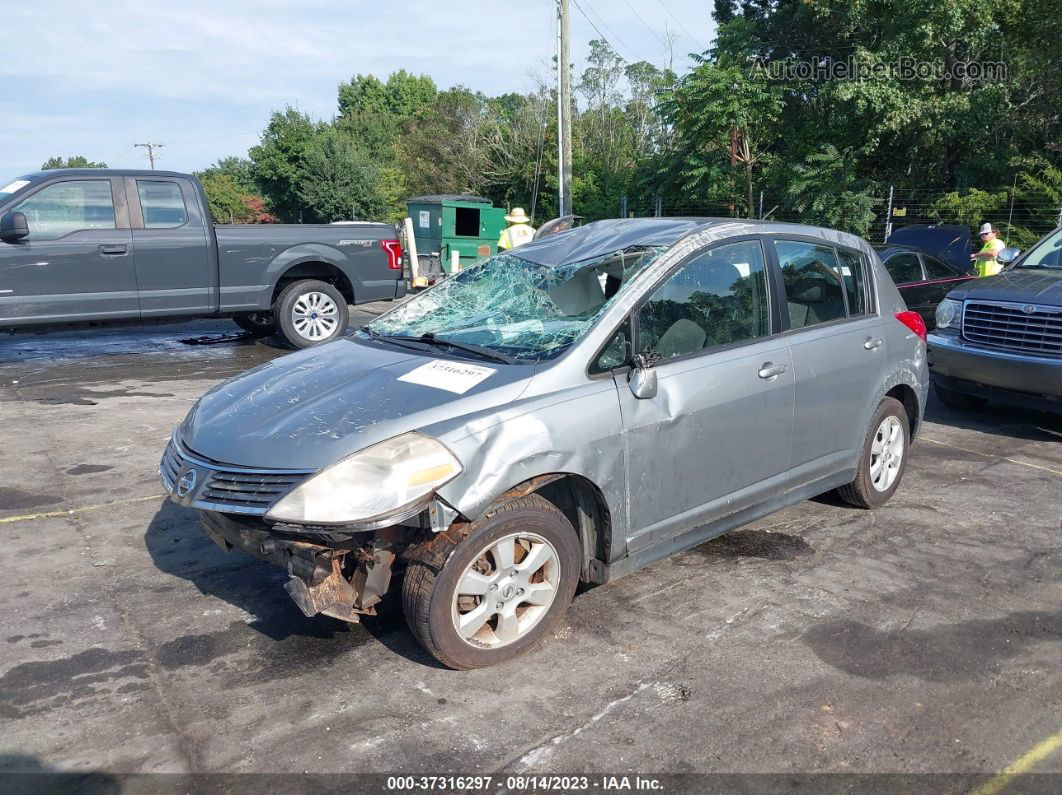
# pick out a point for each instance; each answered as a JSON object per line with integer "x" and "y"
{"x": 227, "y": 487}
{"x": 170, "y": 466}
{"x": 1011, "y": 327}
{"x": 246, "y": 489}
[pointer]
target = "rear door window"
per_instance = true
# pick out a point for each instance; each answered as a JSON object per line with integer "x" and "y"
{"x": 717, "y": 298}
{"x": 813, "y": 290}
{"x": 904, "y": 268}
{"x": 162, "y": 204}
{"x": 853, "y": 276}
{"x": 935, "y": 269}
{"x": 66, "y": 207}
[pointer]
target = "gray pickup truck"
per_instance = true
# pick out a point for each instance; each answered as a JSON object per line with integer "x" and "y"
{"x": 101, "y": 246}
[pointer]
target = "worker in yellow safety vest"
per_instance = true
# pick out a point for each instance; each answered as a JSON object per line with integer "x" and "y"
{"x": 518, "y": 232}
{"x": 986, "y": 259}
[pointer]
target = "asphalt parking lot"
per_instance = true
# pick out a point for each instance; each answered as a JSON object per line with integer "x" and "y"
{"x": 922, "y": 637}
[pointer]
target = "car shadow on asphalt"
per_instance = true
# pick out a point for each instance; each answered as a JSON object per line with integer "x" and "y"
{"x": 998, "y": 419}
{"x": 179, "y": 547}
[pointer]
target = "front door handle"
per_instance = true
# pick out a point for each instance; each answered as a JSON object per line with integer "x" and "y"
{"x": 113, "y": 250}
{"x": 771, "y": 370}
{"x": 871, "y": 344}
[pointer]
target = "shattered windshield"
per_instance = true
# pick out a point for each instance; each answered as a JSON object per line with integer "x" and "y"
{"x": 514, "y": 308}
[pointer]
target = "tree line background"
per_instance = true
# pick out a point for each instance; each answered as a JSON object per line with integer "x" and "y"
{"x": 721, "y": 138}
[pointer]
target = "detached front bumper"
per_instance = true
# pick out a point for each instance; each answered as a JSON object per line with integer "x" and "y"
{"x": 995, "y": 373}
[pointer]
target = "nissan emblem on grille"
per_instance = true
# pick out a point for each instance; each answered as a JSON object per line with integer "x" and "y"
{"x": 186, "y": 483}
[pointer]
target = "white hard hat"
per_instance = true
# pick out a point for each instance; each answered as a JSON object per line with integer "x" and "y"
{"x": 517, "y": 216}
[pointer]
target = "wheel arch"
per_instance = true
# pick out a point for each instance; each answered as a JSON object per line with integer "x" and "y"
{"x": 909, "y": 399}
{"x": 314, "y": 269}
{"x": 583, "y": 504}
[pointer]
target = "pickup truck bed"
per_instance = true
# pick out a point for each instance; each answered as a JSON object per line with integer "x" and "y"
{"x": 100, "y": 246}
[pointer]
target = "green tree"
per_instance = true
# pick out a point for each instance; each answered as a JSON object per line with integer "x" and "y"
{"x": 444, "y": 148}
{"x": 77, "y": 161}
{"x": 725, "y": 118}
{"x": 278, "y": 159}
{"x": 239, "y": 169}
{"x": 825, "y": 191}
{"x": 336, "y": 179}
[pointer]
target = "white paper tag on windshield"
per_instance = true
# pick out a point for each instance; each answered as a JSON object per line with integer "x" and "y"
{"x": 451, "y": 376}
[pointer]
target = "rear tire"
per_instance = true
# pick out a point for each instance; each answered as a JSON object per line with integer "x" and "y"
{"x": 882, "y": 459}
{"x": 259, "y": 324}
{"x": 311, "y": 312}
{"x": 958, "y": 400}
{"x": 524, "y": 591}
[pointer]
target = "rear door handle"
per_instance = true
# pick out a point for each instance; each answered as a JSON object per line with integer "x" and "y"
{"x": 771, "y": 370}
{"x": 871, "y": 344}
{"x": 113, "y": 250}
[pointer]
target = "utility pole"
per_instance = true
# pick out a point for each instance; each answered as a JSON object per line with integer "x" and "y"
{"x": 560, "y": 123}
{"x": 151, "y": 152}
{"x": 565, "y": 114}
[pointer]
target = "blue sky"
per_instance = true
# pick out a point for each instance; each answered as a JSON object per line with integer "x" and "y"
{"x": 202, "y": 76}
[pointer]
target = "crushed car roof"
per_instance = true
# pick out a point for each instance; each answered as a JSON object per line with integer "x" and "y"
{"x": 604, "y": 237}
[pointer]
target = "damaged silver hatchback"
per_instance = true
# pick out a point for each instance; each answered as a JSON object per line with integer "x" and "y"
{"x": 565, "y": 413}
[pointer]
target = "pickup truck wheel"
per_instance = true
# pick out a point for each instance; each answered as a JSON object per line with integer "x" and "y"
{"x": 310, "y": 312}
{"x": 883, "y": 457}
{"x": 958, "y": 400}
{"x": 499, "y": 591}
{"x": 260, "y": 324}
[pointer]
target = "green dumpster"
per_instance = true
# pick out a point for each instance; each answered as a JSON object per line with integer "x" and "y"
{"x": 469, "y": 225}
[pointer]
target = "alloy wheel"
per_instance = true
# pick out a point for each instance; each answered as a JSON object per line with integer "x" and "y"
{"x": 886, "y": 453}
{"x": 315, "y": 316}
{"x": 506, "y": 590}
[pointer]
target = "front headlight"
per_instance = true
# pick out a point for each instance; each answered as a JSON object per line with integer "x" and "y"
{"x": 948, "y": 313}
{"x": 379, "y": 483}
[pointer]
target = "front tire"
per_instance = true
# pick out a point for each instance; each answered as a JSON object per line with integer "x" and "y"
{"x": 883, "y": 458}
{"x": 497, "y": 592}
{"x": 311, "y": 312}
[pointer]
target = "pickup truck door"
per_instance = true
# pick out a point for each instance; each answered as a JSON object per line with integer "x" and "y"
{"x": 174, "y": 247}
{"x": 76, "y": 264}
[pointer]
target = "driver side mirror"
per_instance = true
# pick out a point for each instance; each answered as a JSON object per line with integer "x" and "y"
{"x": 642, "y": 379}
{"x": 1008, "y": 255}
{"x": 13, "y": 226}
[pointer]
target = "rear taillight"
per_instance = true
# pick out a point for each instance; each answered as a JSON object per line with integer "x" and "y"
{"x": 394, "y": 254}
{"x": 913, "y": 321}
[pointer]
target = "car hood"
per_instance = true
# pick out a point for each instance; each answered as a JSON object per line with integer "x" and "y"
{"x": 950, "y": 243}
{"x": 311, "y": 408}
{"x": 1020, "y": 285}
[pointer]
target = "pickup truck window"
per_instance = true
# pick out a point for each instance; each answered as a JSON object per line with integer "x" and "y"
{"x": 66, "y": 207}
{"x": 162, "y": 204}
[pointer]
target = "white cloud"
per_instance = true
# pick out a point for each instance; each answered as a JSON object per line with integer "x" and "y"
{"x": 94, "y": 78}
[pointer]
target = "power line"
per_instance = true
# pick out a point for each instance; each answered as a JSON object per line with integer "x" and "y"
{"x": 679, "y": 22}
{"x": 644, "y": 24}
{"x": 602, "y": 35}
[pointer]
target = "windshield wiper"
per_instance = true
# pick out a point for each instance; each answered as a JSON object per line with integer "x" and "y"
{"x": 442, "y": 342}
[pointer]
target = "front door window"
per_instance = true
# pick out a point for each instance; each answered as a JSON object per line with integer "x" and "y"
{"x": 719, "y": 298}
{"x": 65, "y": 207}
